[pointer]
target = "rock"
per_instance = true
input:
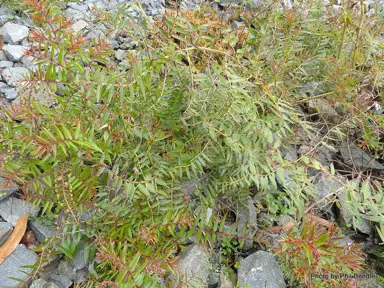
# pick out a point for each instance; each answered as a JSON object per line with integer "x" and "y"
{"x": 121, "y": 55}
{"x": 311, "y": 89}
{"x": 12, "y": 266}
{"x": 10, "y": 94}
{"x": 193, "y": 263}
{"x": 2, "y": 56}
{"x": 324, "y": 109}
{"x": 95, "y": 35}
{"x": 228, "y": 278}
{"x": 82, "y": 8}
{"x": 6, "y": 64}
{"x": 67, "y": 269}
{"x": 190, "y": 4}
{"x": 81, "y": 276}
{"x": 326, "y": 192}
{"x": 14, "y": 52}
{"x": 14, "y": 33}
{"x": 61, "y": 281}
{"x": 78, "y": 26}
{"x": 14, "y": 75}
{"x": 12, "y": 209}
{"x": 290, "y": 153}
{"x": 355, "y": 156}
{"x": 6, "y": 190}
{"x": 41, "y": 231}
{"x": 260, "y": 270}
{"x": 74, "y": 14}
{"x": 28, "y": 62}
{"x": 346, "y": 217}
{"x": 246, "y": 216}
{"x": 5, "y": 231}
{"x": 41, "y": 283}
{"x": 78, "y": 261}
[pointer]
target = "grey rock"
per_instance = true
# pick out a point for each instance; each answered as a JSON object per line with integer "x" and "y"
{"x": 78, "y": 261}
{"x": 82, "y": 8}
{"x": 346, "y": 217}
{"x": 41, "y": 283}
{"x": 6, "y": 64}
{"x": 14, "y": 33}
{"x": 190, "y": 4}
{"x": 95, "y": 35}
{"x": 246, "y": 216}
{"x": 41, "y": 231}
{"x": 121, "y": 54}
{"x": 61, "y": 281}
{"x": 6, "y": 189}
{"x": 14, "y": 52}
{"x": 14, "y": 75}
{"x": 74, "y": 14}
{"x": 12, "y": 209}
{"x": 311, "y": 89}
{"x": 81, "y": 276}
{"x": 10, "y": 94}
{"x": 290, "y": 153}
{"x": 4, "y": 18}
{"x": 5, "y": 231}
{"x": 2, "y": 56}
{"x": 12, "y": 266}
{"x": 67, "y": 269}
{"x": 28, "y": 62}
{"x": 260, "y": 270}
{"x": 326, "y": 192}
{"x": 353, "y": 155}
{"x": 345, "y": 242}
{"x": 78, "y": 26}
{"x": 193, "y": 263}
{"x": 228, "y": 278}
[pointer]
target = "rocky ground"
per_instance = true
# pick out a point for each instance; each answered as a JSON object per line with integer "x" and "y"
{"x": 258, "y": 268}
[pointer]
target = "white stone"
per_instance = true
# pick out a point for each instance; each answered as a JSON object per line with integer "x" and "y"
{"x": 78, "y": 26}
{"x": 14, "y": 52}
{"x": 14, "y": 75}
{"x": 14, "y": 33}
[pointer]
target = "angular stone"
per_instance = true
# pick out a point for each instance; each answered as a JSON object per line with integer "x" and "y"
{"x": 2, "y": 56}
{"x": 13, "y": 76}
{"x": 121, "y": 54}
{"x": 5, "y": 231}
{"x": 12, "y": 209}
{"x": 355, "y": 156}
{"x": 6, "y": 190}
{"x": 61, "y": 281}
{"x": 246, "y": 216}
{"x": 74, "y": 14}
{"x": 326, "y": 192}
{"x": 260, "y": 270}
{"x": 12, "y": 266}
{"x": 67, "y": 269}
{"x": 10, "y": 94}
{"x": 41, "y": 231}
{"x": 228, "y": 278}
{"x": 14, "y": 52}
{"x": 78, "y": 26}
{"x": 14, "y": 33}
{"x": 193, "y": 263}
{"x": 6, "y": 64}
{"x": 28, "y": 62}
{"x": 78, "y": 261}
{"x": 41, "y": 283}
{"x": 82, "y": 8}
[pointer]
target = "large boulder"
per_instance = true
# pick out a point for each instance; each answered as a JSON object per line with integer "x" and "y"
{"x": 193, "y": 265}
{"x": 260, "y": 270}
